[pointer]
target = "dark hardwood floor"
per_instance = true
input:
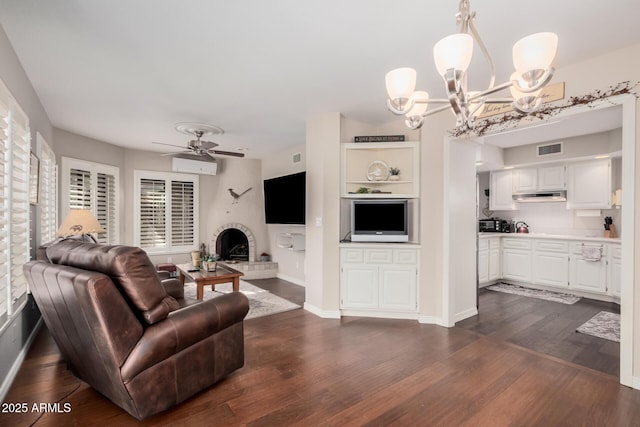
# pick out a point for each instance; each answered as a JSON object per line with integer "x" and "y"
{"x": 547, "y": 327}
{"x": 304, "y": 370}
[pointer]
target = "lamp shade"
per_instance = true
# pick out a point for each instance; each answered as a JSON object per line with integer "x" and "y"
{"x": 78, "y": 222}
{"x": 535, "y": 52}
{"x": 400, "y": 83}
{"x": 453, "y": 51}
{"x": 419, "y": 108}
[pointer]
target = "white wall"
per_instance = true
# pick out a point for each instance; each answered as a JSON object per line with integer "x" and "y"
{"x": 290, "y": 263}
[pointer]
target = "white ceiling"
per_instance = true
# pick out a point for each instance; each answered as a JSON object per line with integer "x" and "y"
{"x": 126, "y": 71}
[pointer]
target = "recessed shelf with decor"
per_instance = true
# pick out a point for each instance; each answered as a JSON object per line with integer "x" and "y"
{"x": 386, "y": 170}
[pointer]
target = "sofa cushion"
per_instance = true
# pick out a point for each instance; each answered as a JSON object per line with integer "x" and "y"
{"x": 129, "y": 267}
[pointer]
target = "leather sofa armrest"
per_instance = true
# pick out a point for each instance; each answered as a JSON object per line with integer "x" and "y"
{"x": 183, "y": 328}
{"x": 173, "y": 287}
{"x": 163, "y": 274}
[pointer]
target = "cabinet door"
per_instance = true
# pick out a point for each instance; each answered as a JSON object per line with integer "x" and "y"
{"x": 483, "y": 267}
{"x": 588, "y": 276}
{"x": 552, "y": 178}
{"x": 494, "y": 264}
{"x": 589, "y": 185}
{"x": 501, "y": 194}
{"x": 516, "y": 265}
{"x": 615, "y": 277}
{"x": 525, "y": 180}
{"x": 359, "y": 286}
{"x": 398, "y": 287}
{"x": 551, "y": 269}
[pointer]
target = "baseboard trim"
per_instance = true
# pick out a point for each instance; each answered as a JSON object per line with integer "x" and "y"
{"x": 635, "y": 383}
{"x": 381, "y": 314}
{"x": 291, "y": 279}
{"x": 321, "y": 313}
{"x": 11, "y": 375}
{"x": 433, "y": 320}
{"x": 466, "y": 314}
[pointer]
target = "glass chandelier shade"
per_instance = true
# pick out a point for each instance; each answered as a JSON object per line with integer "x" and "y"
{"x": 401, "y": 83}
{"x": 535, "y": 52}
{"x": 453, "y": 51}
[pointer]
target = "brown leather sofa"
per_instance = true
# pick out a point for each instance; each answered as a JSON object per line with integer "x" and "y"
{"x": 131, "y": 336}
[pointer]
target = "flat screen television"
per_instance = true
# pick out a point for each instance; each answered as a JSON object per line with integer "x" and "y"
{"x": 285, "y": 198}
{"x": 380, "y": 220}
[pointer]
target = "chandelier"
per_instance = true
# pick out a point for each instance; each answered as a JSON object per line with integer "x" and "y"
{"x": 532, "y": 58}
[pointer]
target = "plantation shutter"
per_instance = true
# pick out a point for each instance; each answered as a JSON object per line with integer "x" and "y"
{"x": 48, "y": 191}
{"x": 79, "y": 189}
{"x": 106, "y": 207}
{"x": 182, "y": 213}
{"x": 153, "y": 231}
{"x": 4, "y": 211}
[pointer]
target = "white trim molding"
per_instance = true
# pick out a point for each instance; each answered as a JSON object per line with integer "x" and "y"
{"x": 325, "y": 314}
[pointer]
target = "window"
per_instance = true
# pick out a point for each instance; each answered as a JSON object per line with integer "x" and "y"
{"x": 15, "y": 150}
{"x": 48, "y": 191}
{"x": 166, "y": 212}
{"x": 94, "y": 186}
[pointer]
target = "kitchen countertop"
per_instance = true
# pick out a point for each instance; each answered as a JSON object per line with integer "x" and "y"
{"x": 550, "y": 236}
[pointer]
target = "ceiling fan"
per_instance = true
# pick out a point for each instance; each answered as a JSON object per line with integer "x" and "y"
{"x": 197, "y": 146}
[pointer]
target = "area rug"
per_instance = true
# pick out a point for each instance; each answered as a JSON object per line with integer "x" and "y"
{"x": 534, "y": 293}
{"x": 603, "y": 325}
{"x": 261, "y": 302}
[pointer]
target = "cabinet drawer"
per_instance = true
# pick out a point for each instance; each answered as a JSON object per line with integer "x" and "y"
{"x": 355, "y": 256}
{"x": 576, "y": 247}
{"x": 378, "y": 256}
{"x": 551, "y": 246}
{"x": 405, "y": 256}
{"x": 516, "y": 243}
{"x": 483, "y": 244}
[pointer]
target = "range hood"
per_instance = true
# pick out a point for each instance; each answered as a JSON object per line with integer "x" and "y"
{"x": 548, "y": 196}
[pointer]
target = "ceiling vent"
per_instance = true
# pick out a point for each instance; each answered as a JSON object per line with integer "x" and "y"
{"x": 549, "y": 149}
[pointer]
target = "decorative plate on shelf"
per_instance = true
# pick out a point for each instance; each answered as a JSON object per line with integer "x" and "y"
{"x": 377, "y": 171}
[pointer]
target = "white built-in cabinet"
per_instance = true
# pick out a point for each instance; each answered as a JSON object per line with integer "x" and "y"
{"x": 488, "y": 260}
{"x": 525, "y": 180}
{"x": 589, "y": 184}
{"x": 516, "y": 259}
{"x": 552, "y": 178}
{"x": 501, "y": 191}
{"x": 554, "y": 263}
{"x": 379, "y": 278}
{"x": 550, "y": 263}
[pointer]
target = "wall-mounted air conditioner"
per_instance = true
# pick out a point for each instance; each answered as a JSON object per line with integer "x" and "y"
{"x": 203, "y": 165}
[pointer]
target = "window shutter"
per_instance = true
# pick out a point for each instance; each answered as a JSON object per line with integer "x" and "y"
{"x": 152, "y": 213}
{"x": 106, "y": 207}
{"x": 182, "y": 213}
{"x": 48, "y": 191}
{"x": 79, "y": 189}
{"x": 4, "y": 211}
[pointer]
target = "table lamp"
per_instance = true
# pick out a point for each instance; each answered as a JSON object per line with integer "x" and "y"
{"x": 80, "y": 222}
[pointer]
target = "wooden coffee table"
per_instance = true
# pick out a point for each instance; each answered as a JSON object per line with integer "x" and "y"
{"x": 222, "y": 274}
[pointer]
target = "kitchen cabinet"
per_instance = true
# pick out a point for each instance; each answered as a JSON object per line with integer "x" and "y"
{"x": 516, "y": 259}
{"x": 589, "y": 184}
{"x": 550, "y": 263}
{"x": 552, "y": 178}
{"x": 587, "y": 275}
{"x": 488, "y": 260}
{"x": 377, "y": 278}
{"x": 525, "y": 180}
{"x": 501, "y": 191}
{"x": 614, "y": 278}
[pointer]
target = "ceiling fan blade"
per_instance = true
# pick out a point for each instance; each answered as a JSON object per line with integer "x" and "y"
{"x": 176, "y": 152}
{"x": 170, "y": 145}
{"x": 227, "y": 153}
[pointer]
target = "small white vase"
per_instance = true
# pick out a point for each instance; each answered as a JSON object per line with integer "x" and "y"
{"x": 394, "y": 178}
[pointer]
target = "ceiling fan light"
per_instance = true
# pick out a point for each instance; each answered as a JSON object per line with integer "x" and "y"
{"x": 453, "y": 51}
{"x": 400, "y": 83}
{"x": 419, "y": 108}
{"x": 535, "y": 52}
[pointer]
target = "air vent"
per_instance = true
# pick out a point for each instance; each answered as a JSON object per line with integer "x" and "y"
{"x": 549, "y": 149}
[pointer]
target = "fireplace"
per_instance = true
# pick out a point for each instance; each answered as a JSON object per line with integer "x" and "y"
{"x": 234, "y": 242}
{"x": 232, "y": 245}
